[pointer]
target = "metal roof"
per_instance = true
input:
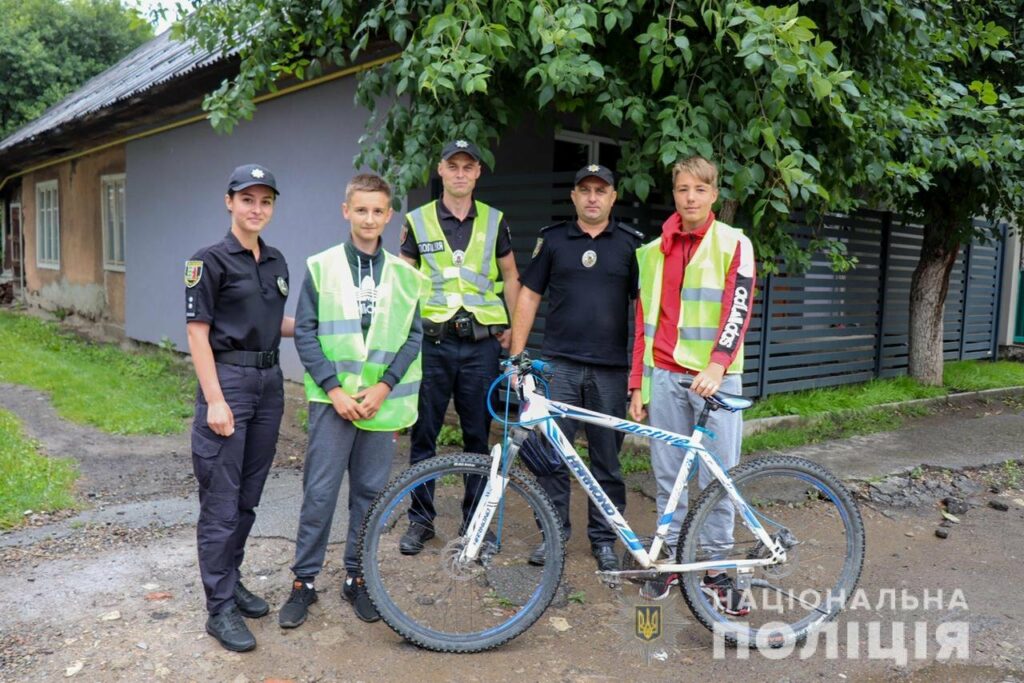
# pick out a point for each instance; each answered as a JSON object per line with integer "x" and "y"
{"x": 158, "y": 61}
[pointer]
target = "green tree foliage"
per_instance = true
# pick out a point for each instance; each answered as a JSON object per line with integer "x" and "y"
{"x": 822, "y": 105}
{"x": 50, "y": 47}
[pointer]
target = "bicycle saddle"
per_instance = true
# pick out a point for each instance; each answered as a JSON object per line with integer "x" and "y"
{"x": 731, "y": 402}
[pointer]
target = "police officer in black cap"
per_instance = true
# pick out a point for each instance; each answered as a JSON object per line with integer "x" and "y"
{"x": 235, "y": 292}
{"x": 580, "y": 262}
{"x": 462, "y": 245}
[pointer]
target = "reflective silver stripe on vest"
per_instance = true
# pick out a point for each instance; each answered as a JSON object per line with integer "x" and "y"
{"x": 478, "y": 300}
{"x": 339, "y": 327}
{"x": 380, "y": 357}
{"x": 352, "y": 367}
{"x": 481, "y": 282}
{"x": 419, "y": 233}
{"x": 490, "y": 241}
{"x": 698, "y": 333}
{"x": 709, "y": 294}
{"x": 405, "y": 389}
{"x": 649, "y": 330}
{"x": 648, "y": 371}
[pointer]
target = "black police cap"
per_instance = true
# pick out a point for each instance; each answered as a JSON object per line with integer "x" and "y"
{"x": 597, "y": 171}
{"x": 249, "y": 175}
{"x": 460, "y": 147}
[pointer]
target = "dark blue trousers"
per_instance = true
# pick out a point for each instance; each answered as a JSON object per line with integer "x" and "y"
{"x": 602, "y": 389}
{"x": 461, "y": 369}
{"x": 231, "y": 472}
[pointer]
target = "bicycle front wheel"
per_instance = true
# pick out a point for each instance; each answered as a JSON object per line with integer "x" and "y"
{"x": 424, "y": 593}
{"x": 807, "y": 509}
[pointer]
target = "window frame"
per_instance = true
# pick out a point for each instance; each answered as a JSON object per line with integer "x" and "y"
{"x": 105, "y": 181}
{"x": 40, "y": 188}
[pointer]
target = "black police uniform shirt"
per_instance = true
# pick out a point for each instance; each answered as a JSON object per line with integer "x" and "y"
{"x": 591, "y": 282}
{"x": 457, "y": 232}
{"x": 242, "y": 300}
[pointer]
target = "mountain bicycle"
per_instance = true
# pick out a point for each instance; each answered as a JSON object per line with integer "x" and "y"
{"x": 796, "y": 552}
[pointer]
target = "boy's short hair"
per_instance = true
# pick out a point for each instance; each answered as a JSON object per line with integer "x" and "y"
{"x": 698, "y": 166}
{"x": 367, "y": 182}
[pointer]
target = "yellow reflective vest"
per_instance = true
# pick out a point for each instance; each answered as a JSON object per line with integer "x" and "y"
{"x": 700, "y": 307}
{"x": 361, "y": 362}
{"x": 460, "y": 279}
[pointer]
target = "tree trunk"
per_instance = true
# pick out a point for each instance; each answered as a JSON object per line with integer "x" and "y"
{"x": 928, "y": 290}
{"x": 727, "y": 211}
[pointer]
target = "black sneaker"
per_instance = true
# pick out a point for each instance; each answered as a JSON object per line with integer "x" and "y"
{"x": 294, "y": 611}
{"x": 726, "y": 597}
{"x": 229, "y": 628}
{"x": 354, "y": 591}
{"x": 249, "y": 605}
{"x": 539, "y": 555}
{"x": 413, "y": 539}
{"x": 659, "y": 588}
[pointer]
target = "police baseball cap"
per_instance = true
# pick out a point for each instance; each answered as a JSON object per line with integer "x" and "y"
{"x": 249, "y": 175}
{"x": 460, "y": 147}
{"x": 597, "y": 171}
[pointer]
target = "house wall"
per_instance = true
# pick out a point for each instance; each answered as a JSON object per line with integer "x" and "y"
{"x": 175, "y": 199}
{"x": 80, "y": 284}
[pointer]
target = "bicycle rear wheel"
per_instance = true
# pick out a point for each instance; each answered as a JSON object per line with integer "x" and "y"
{"x": 433, "y": 600}
{"x": 816, "y": 518}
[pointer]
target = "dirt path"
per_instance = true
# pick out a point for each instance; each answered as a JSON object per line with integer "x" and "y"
{"x": 112, "y": 603}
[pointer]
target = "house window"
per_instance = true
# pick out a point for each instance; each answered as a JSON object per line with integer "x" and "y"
{"x": 112, "y": 209}
{"x": 47, "y": 226}
{"x": 575, "y": 150}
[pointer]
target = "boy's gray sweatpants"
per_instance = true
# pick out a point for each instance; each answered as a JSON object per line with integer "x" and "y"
{"x": 676, "y": 409}
{"x": 337, "y": 445}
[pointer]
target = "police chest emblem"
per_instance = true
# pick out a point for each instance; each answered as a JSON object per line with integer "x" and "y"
{"x": 193, "y": 273}
{"x": 536, "y": 249}
{"x": 458, "y": 257}
{"x": 589, "y": 258}
{"x": 282, "y": 285}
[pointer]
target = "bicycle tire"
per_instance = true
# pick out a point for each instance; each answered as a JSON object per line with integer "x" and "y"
{"x": 809, "y": 502}
{"x": 431, "y": 601}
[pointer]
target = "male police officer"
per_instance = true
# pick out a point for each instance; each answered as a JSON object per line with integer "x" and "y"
{"x": 461, "y": 245}
{"x": 590, "y": 259}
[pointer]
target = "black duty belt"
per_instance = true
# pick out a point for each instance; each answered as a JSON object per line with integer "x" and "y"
{"x": 250, "y": 359}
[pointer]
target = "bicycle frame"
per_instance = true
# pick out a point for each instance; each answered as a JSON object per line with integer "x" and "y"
{"x": 537, "y": 408}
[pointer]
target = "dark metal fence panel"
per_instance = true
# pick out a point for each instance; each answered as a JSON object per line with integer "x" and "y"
{"x": 814, "y": 329}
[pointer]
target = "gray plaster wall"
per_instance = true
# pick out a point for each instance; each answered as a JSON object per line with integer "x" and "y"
{"x": 175, "y": 200}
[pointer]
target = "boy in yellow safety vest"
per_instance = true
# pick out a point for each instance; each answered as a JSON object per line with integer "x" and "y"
{"x": 696, "y": 295}
{"x": 358, "y": 335}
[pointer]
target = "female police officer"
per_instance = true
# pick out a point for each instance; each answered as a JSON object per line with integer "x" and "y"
{"x": 234, "y": 306}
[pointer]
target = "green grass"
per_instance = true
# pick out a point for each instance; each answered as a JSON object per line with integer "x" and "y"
{"x": 28, "y": 480}
{"x": 825, "y": 428}
{"x": 146, "y": 392}
{"x": 968, "y": 375}
{"x": 978, "y": 375}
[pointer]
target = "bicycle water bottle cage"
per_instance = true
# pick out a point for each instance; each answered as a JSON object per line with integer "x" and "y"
{"x": 721, "y": 399}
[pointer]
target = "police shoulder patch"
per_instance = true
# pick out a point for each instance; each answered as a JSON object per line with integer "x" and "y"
{"x": 193, "y": 273}
{"x": 536, "y": 249}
